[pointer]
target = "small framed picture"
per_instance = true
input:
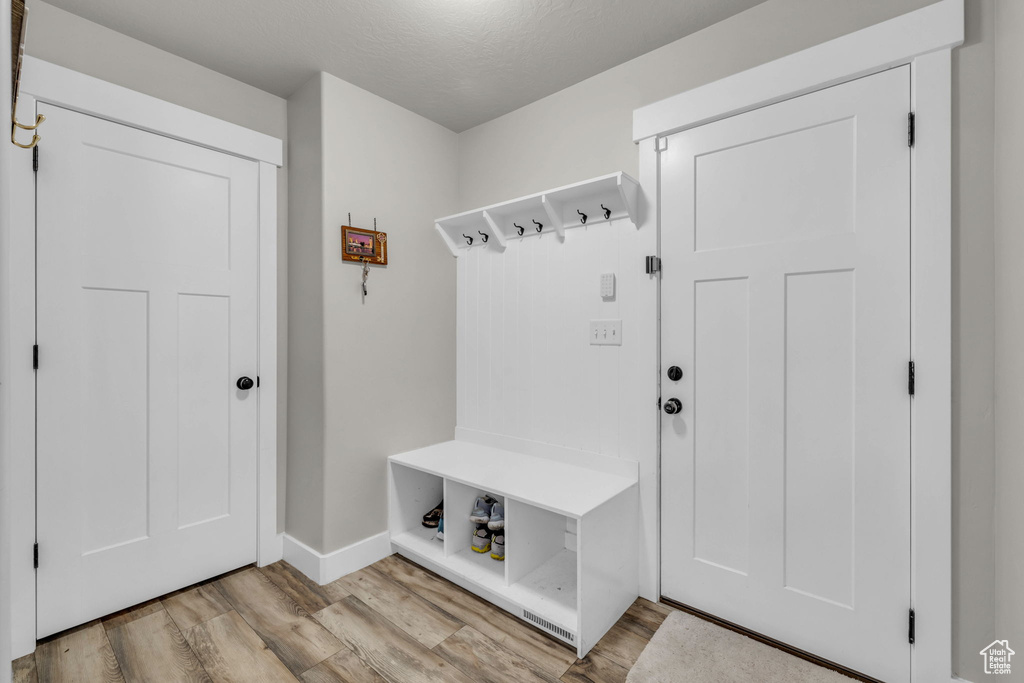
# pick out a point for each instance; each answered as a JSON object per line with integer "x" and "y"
{"x": 364, "y": 245}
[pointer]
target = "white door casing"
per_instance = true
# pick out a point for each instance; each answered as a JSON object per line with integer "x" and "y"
{"x": 147, "y": 314}
{"x": 786, "y": 301}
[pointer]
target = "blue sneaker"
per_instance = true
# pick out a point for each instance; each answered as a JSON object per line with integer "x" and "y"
{"x": 440, "y": 529}
{"x": 482, "y": 510}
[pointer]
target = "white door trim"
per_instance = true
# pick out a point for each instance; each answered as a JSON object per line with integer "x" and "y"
{"x": 891, "y": 43}
{"x": 73, "y": 90}
{"x": 924, "y": 39}
{"x": 44, "y": 82}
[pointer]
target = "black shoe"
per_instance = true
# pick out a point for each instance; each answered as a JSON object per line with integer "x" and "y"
{"x": 433, "y": 518}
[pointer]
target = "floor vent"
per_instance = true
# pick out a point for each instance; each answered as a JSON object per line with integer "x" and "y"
{"x": 548, "y": 626}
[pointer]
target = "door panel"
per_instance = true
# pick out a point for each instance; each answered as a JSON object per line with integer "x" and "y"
{"x": 751, "y": 171}
{"x": 786, "y": 301}
{"x": 721, "y": 480}
{"x": 146, "y": 315}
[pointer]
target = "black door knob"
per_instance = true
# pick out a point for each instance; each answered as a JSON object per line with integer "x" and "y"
{"x": 673, "y": 406}
{"x": 675, "y": 373}
{"x": 245, "y": 384}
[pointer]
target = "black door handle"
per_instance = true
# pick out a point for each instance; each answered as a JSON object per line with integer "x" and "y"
{"x": 673, "y": 406}
{"x": 245, "y": 383}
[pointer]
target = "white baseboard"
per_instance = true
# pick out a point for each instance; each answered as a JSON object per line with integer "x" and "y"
{"x": 326, "y": 568}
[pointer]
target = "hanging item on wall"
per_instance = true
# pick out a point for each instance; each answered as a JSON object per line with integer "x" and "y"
{"x": 364, "y": 245}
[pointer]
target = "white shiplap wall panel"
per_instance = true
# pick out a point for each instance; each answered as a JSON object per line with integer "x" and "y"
{"x": 482, "y": 338}
{"x": 512, "y": 385}
{"x": 526, "y": 369}
{"x": 461, "y": 377}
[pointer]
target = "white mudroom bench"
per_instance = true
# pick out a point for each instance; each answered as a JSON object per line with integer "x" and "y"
{"x": 571, "y": 566}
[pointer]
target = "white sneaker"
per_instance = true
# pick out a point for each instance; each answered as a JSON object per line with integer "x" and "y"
{"x": 481, "y": 539}
{"x": 497, "y": 520}
{"x": 498, "y": 546}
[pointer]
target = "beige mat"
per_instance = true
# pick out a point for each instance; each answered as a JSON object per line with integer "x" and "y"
{"x": 690, "y": 650}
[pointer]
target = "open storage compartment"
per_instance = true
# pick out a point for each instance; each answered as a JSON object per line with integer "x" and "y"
{"x": 542, "y": 569}
{"x": 412, "y": 494}
{"x": 571, "y": 551}
{"x": 458, "y": 536}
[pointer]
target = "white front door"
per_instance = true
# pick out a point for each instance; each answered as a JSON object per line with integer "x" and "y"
{"x": 786, "y": 304}
{"x": 147, "y": 317}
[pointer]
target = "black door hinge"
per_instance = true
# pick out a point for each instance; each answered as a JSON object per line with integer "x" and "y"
{"x": 910, "y": 632}
{"x": 35, "y": 356}
{"x": 653, "y": 265}
{"x": 35, "y": 556}
{"x": 35, "y": 158}
{"x": 911, "y": 129}
{"x": 911, "y": 378}
{"x": 257, "y": 381}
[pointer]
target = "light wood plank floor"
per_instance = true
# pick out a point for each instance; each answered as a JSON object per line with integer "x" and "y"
{"x": 391, "y": 622}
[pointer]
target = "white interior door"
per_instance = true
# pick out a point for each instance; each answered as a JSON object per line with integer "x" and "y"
{"x": 147, "y": 316}
{"x": 786, "y": 303}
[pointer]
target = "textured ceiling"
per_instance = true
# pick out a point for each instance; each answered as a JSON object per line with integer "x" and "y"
{"x": 457, "y": 62}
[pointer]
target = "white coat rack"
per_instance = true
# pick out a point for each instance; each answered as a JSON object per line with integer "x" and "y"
{"x": 598, "y": 200}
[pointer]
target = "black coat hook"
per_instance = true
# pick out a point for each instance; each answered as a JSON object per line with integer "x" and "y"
{"x": 520, "y": 229}
{"x": 469, "y": 240}
{"x": 483, "y": 236}
{"x": 583, "y": 218}
{"x": 540, "y": 226}
{"x": 607, "y": 212}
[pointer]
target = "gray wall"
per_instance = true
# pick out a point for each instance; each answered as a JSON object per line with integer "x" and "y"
{"x": 70, "y": 41}
{"x": 389, "y": 362}
{"x": 586, "y": 130}
{"x": 973, "y": 328}
{"x": 376, "y": 377}
{"x": 1009, "y": 353}
{"x": 305, "y": 499}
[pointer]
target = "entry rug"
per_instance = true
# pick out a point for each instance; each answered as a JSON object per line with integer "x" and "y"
{"x": 690, "y": 650}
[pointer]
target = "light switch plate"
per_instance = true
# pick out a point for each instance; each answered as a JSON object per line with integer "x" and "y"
{"x": 606, "y": 332}
{"x": 608, "y": 286}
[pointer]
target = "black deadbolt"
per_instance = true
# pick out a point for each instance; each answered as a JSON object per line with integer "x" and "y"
{"x": 675, "y": 373}
{"x": 244, "y": 383}
{"x": 673, "y": 406}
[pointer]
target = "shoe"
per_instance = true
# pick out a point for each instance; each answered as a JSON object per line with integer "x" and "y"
{"x": 433, "y": 518}
{"x": 481, "y": 539}
{"x": 482, "y": 510}
{"x": 498, "y": 546}
{"x": 440, "y": 529}
{"x": 497, "y": 520}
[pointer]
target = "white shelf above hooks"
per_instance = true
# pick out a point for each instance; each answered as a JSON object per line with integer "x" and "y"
{"x": 607, "y": 198}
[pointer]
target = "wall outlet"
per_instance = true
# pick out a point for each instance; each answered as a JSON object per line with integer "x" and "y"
{"x": 608, "y": 286}
{"x": 606, "y": 333}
